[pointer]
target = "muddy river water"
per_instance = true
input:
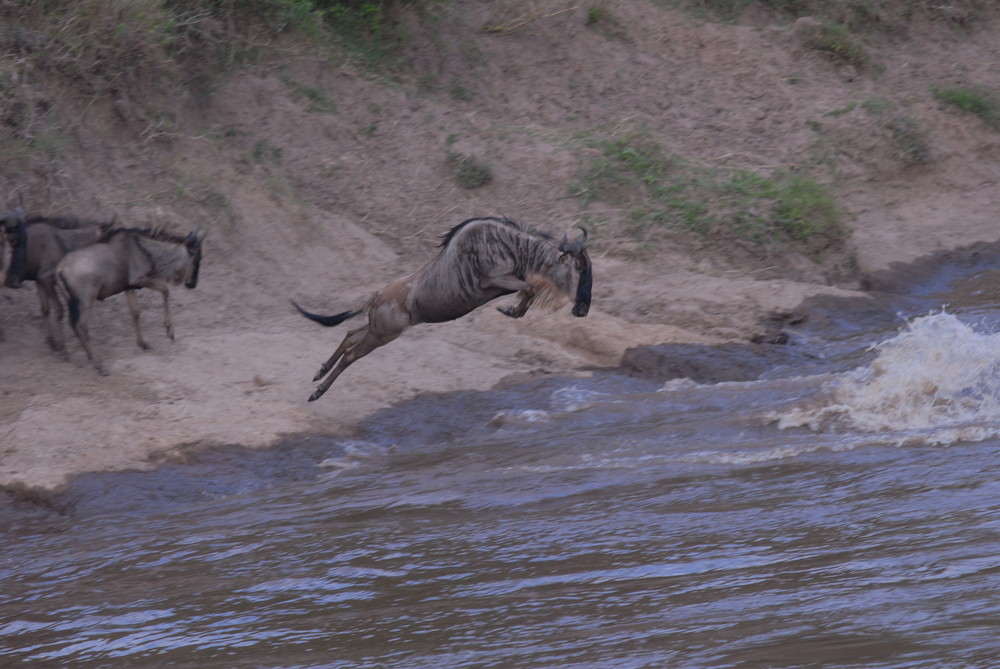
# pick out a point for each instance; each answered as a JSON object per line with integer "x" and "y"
{"x": 839, "y": 511}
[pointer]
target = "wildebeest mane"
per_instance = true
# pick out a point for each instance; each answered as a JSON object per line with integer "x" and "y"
{"x": 61, "y": 222}
{"x": 503, "y": 220}
{"x": 153, "y": 233}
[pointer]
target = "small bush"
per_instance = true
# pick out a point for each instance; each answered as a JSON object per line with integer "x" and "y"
{"x": 469, "y": 171}
{"x": 907, "y": 135}
{"x": 595, "y": 14}
{"x": 839, "y": 43}
{"x": 804, "y": 209}
{"x": 460, "y": 92}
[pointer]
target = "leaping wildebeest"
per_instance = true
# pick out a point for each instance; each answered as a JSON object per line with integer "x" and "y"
{"x": 37, "y": 244}
{"x": 124, "y": 260}
{"x": 480, "y": 260}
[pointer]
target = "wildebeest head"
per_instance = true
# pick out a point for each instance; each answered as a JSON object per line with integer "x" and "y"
{"x": 15, "y": 215}
{"x": 15, "y": 238}
{"x": 577, "y": 250}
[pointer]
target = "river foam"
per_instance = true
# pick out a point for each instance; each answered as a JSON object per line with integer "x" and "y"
{"x": 935, "y": 382}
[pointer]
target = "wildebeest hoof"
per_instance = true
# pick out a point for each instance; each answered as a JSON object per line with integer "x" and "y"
{"x": 144, "y": 346}
{"x": 103, "y": 372}
{"x": 510, "y": 311}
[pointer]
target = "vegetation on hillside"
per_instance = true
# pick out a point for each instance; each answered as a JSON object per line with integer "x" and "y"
{"x": 134, "y": 51}
{"x": 856, "y": 15}
{"x": 120, "y": 44}
{"x": 654, "y": 191}
{"x": 978, "y": 100}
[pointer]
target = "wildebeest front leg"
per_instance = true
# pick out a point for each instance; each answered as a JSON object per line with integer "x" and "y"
{"x": 133, "y": 307}
{"x": 509, "y": 282}
{"x": 167, "y": 322}
{"x": 47, "y": 299}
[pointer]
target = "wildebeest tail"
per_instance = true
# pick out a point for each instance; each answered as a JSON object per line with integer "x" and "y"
{"x": 72, "y": 302}
{"x": 328, "y": 321}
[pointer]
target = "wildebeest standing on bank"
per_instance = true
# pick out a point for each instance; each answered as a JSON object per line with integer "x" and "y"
{"x": 480, "y": 260}
{"x": 125, "y": 260}
{"x": 8, "y": 221}
{"x": 37, "y": 244}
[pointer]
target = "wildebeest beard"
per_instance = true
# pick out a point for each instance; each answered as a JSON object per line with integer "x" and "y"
{"x": 583, "y": 287}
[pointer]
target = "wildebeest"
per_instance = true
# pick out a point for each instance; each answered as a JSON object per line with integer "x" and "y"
{"x": 480, "y": 260}
{"x": 124, "y": 260}
{"x": 9, "y": 220}
{"x": 37, "y": 244}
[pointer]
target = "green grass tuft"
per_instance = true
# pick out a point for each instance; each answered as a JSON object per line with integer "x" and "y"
{"x": 468, "y": 171}
{"x": 838, "y": 42}
{"x": 978, "y": 100}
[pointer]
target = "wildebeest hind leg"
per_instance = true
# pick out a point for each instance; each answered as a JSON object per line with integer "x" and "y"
{"x": 352, "y": 339}
{"x": 47, "y": 299}
{"x": 82, "y": 329}
{"x": 354, "y": 353}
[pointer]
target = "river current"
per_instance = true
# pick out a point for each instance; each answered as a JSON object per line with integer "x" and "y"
{"x": 844, "y": 512}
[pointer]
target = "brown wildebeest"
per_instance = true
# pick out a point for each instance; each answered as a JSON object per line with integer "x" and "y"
{"x": 125, "y": 260}
{"x": 37, "y": 244}
{"x": 480, "y": 260}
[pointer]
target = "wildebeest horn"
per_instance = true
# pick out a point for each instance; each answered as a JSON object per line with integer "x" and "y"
{"x": 200, "y": 231}
{"x": 575, "y": 247}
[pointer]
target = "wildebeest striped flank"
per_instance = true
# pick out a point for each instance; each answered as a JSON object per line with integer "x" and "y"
{"x": 480, "y": 260}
